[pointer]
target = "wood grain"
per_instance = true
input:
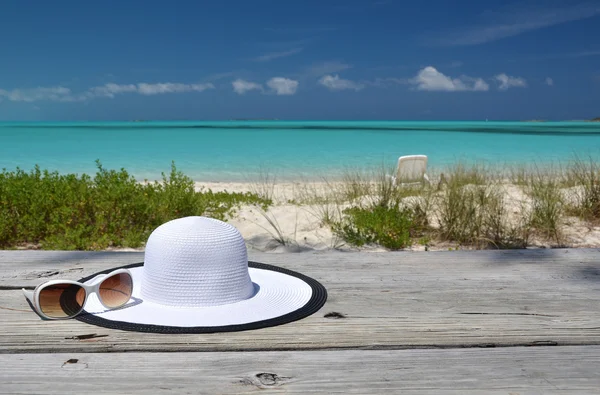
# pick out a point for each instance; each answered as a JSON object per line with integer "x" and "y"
{"x": 534, "y": 370}
{"x": 389, "y": 301}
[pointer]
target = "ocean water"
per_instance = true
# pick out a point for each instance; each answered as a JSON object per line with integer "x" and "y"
{"x": 239, "y": 150}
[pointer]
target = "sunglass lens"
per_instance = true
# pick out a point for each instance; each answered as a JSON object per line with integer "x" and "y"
{"x": 62, "y": 300}
{"x": 116, "y": 290}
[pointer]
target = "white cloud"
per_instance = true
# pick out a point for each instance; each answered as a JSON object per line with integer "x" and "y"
{"x": 514, "y": 20}
{"x": 283, "y": 86}
{"x": 429, "y": 79}
{"x": 506, "y": 81}
{"x": 169, "y": 87}
{"x": 275, "y": 55}
{"x": 143, "y": 88}
{"x": 55, "y": 93}
{"x": 549, "y": 81}
{"x": 110, "y": 90}
{"x": 278, "y": 85}
{"x": 335, "y": 83}
{"x": 62, "y": 94}
{"x": 241, "y": 86}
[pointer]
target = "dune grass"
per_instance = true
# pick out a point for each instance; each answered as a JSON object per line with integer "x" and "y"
{"x": 112, "y": 209}
{"x": 464, "y": 205}
{"x": 467, "y": 205}
{"x": 584, "y": 177}
{"x": 389, "y": 227}
{"x": 547, "y": 205}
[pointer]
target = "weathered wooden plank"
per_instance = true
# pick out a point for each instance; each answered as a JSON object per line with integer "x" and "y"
{"x": 517, "y": 370}
{"x": 390, "y": 300}
{"x": 28, "y": 268}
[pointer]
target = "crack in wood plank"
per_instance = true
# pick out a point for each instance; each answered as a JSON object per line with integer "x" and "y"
{"x": 85, "y": 337}
{"x": 535, "y": 314}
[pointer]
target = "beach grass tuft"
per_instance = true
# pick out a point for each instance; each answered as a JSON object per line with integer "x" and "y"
{"x": 584, "y": 177}
{"x": 547, "y": 204}
{"x": 471, "y": 210}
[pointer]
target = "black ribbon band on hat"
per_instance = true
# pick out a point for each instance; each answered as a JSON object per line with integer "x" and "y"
{"x": 317, "y": 300}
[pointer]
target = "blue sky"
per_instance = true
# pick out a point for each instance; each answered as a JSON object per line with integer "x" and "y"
{"x": 286, "y": 59}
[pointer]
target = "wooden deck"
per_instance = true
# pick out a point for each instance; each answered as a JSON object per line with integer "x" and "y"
{"x": 493, "y": 322}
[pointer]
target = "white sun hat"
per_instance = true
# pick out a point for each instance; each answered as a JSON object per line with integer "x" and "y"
{"x": 196, "y": 278}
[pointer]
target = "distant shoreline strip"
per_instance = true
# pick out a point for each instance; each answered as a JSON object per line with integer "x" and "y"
{"x": 527, "y": 130}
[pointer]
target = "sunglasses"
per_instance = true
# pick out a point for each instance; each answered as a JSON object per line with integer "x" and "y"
{"x": 62, "y": 299}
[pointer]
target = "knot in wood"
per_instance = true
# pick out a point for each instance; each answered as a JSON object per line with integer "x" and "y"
{"x": 334, "y": 315}
{"x": 270, "y": 379}
{"x": 74, "y": 364}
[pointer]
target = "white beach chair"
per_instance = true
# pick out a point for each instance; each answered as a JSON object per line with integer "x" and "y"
{"x": 411, "y": 170}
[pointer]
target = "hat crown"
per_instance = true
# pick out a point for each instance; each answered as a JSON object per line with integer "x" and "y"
{"x": 196, "y": 262}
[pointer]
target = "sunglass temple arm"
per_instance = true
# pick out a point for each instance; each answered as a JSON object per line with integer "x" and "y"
{"x": 28, "y": 294}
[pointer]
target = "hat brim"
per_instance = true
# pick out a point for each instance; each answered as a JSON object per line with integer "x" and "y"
{"x": 281, "y": 296}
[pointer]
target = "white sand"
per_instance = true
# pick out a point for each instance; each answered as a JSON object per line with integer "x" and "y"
{"x": 300, "y": 228}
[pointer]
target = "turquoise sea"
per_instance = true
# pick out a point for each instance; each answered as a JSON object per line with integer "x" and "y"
{"x": 238, "y": 150}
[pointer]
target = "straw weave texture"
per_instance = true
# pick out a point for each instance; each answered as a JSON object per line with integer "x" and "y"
{"x": 196, "y": 262}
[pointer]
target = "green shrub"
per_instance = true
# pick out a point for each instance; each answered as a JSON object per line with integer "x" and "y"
{"x": 71, "y": 212}
{"x": 389, "y": 227}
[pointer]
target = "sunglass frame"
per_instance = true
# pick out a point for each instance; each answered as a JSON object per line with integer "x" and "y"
{"x": 93, "y": 287}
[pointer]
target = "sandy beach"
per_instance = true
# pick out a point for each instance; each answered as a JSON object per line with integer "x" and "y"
{"x": 301, "y": 227}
